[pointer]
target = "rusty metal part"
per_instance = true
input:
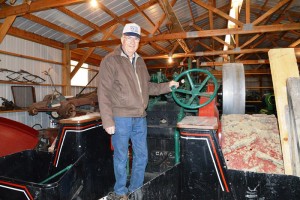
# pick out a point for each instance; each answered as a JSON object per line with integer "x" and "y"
{"x": 32, "y": 110}
{"x": 67, "y": 110}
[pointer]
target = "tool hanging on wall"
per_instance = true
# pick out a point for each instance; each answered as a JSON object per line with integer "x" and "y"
{"x": 22, "y": 76}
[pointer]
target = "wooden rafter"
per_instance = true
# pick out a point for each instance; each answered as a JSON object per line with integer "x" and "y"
{"x": 221, "y": 52}
{"x": 248, "y": 11}
{"x": 159, "y": 47}
{"x": 218, "y": 12}
{"x": 203, "y": 33}
{"x": 34, "y": 37}
{"x": 84, "y": 21}
{"x": 224, "y": 9}
{"x": 90, "y": 51}
{"x": 211, "y": 15}
{"x": 209, "y": 53}
{"x": 108, "y": 11}
{"x": 176, "y": 25}
{"x": 81, "y": 61}
{"x": 248, "y": 42}
{"x": 5, "y": 26}
{"x": 142, "y": 12}
{"x": 270, "y": 12}
{"x": 191, "y": 11}
{"x": 35, "y": 6}
{"x": 162, "y": 18}
{"x": 205, "y": 46}
{"x": 51, "y": 25}
{"x": 277, "y": 21}
{"x": 114, "y": 21}
{"x": 294, "y": 44}
{"x": 215, "y": 38}
{"x": 79, "y": 18}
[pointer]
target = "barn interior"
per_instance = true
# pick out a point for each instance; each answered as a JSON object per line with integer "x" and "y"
{"x": 230, "y": 131}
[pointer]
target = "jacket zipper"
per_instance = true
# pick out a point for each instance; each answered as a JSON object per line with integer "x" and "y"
{"x": 139, "y": 84}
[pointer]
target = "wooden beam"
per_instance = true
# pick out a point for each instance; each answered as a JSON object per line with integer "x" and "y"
{"x": 108, "y": 11}
{"x": 5, "y": 26}
{"x": 51, "y": 25}
{"x": 90, "y": 51}
{"x": 89, "y": 60}
{"x": 270, "y": 12}
{"x": 29, "y": 57}
{"x": 34, "y": 38}
{"x": 79, "y": 18}
{"x": 218, "y": 12}
{"x": 35, "y": 6}
{"x": 245, "y": 62}
{"x": 199, "y": 34}
{"x": 267, "y": 8}
{"x": 191, "y": 11}
{"x": 162, "y": 19}
{"x": 224, "y": 9}
{"x": 86, "y": 22}
{"x": 214, "y": 37}
{"x": 159, "y": 47}
{"x": 220, "y": 64}
{"x": 208, "y": 53}
{"x": 211, "y": 16}
{"x": 279, "y": 58}
{"x": 82, "y": 52}
{"x": 114, "y": 21}
{"x": 249, "y": 41}
{"x": 248, "y": 12}
{"x": 66, "y": 68}
{"x": 176, "y": 25}
{"x": 142, "y": 12}
{"x": 205, "y": 45}
{"x": 81, "y": 61}
{"x": 294, "y": 44}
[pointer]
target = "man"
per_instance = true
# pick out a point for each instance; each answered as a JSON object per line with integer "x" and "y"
{"x": 123, "y": 95}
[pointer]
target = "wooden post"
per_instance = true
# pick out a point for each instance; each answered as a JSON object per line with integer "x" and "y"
{"x": 66, "y": 70}
{"x": 283, "y": 65}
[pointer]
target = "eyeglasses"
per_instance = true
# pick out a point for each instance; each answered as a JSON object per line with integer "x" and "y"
{"x": 131, "y": 38}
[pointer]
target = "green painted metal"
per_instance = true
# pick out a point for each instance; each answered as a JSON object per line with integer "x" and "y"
{"x": 57, "y": 174}
{"x": 268, "y": 101}
{"x": 180, "y": 116}
{"x": 193, "y": 90}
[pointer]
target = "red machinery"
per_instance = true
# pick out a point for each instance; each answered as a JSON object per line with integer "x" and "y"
{"x": 16, "y": 137}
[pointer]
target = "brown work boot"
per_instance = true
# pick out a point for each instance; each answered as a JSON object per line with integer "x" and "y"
{"x": 114, "y": 196}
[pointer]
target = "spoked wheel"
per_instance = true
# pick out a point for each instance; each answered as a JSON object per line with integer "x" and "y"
{"x": 188, "y": 96}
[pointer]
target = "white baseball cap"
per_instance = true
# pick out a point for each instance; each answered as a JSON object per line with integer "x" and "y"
{"x": 132, "y": 29}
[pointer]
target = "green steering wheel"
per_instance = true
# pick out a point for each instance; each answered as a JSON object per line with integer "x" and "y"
{"x": 188, "y": 96}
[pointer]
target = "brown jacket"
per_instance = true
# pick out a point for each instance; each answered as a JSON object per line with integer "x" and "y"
{"x": 123, "y": 89}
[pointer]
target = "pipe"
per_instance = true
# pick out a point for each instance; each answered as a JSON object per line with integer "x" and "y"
{"x": 57, "y": 174}
{"x": 180, "y": 116}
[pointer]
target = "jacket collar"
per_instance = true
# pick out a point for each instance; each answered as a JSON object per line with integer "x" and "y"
{"x": 118, "y": 51}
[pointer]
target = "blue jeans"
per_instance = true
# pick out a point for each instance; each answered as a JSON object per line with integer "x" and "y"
{"x": 134, "y": 128}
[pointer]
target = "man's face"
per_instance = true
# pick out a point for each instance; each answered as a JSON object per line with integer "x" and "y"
{"x": 130, "y": 44}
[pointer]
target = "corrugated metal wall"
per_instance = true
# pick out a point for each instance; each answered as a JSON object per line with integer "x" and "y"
{"x": 24, "y": 47}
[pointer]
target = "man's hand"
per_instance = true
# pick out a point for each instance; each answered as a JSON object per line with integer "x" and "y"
{"x": 110, "y": 130}
{"x": 173, "y": 84}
